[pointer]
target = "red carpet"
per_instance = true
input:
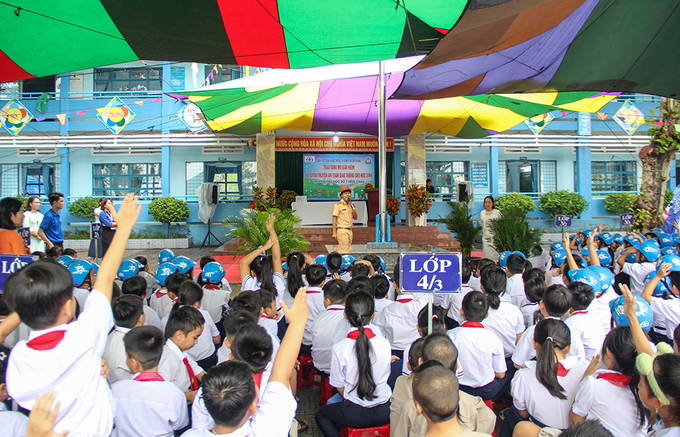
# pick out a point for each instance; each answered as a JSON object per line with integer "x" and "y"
{"x": 230, "y": 265}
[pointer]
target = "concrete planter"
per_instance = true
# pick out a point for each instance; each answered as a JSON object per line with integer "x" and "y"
{"x": 139, "y": 244}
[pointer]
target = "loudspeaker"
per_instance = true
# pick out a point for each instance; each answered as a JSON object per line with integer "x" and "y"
{"x": 465, "y": 191}
{"x": 214, "y": 195}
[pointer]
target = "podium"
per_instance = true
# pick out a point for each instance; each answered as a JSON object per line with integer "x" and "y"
{"x": 373, "y": 203}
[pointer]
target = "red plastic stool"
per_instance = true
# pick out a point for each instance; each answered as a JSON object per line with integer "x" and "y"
{"x": 306, "y": 373}
{"x": 326, "y": 391}
{"x": 376, "y": 431}
{"x": 489, "y": 403}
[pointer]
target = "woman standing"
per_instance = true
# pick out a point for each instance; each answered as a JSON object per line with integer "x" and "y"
{"x": 95, "y": 250}
{"x": 107, "y": 220}
{"x": 32, "y": 219}
{"x": 490, "y": 213}
{"x": 11, "y": 217}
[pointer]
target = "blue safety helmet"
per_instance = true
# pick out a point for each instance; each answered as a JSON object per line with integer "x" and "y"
{"x": 618, "y": 238}
{"x": 166, "y": 256}
{"x": 631, "y": 258}
{"x": 631, "y": 240}
{"x": 79, "y": 270}
{"x": 517, "y": 252}
{"x": 669, "y": 251}
{"x": 673, "y": 260}
{"x": 605, "y": 276}
{"x": 183, "y": 263}
{"x": 163, "y": 271}
{"x": 663, "y": 286}
{"x": 212, "y": 273}
{"x": 650, "y": 249}
{"x": 557, "y": 245}
{"x": 503, "y": 258}
{"x": 585, "y": 252}
{"x": 587, "y": 233}
{"x": 559, "y": 256}
{"x": 321, "y": 259}
{"x": 586, "y": 276}
{"x": 347, "y": 261}
{"x": 127, "y": 269}
{"x": 382, "y": 264}
{"x": 139, "y": 264}
{"x": 604, "y": 257}
{"x": 643, "y": 312}
{"x": 606, "y": 237}
{"x": 284, "y": 265}
{"x": 65, "y": 260}
{"x": 666, "y": 240}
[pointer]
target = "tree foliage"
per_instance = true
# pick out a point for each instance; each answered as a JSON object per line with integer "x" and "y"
{"x": 83, "y": 207}
{"x": 515, "y": 200}
{"x": 512, "y": 232}
{"x": 168, "y": 210}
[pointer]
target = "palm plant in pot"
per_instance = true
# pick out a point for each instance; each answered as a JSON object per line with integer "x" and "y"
{"x": 459, "y": 221}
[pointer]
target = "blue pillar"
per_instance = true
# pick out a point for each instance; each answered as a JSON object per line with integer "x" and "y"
{"x": 396, "y": 176}
{"x": 494, "y": 171}
{"x": 584, "y": 180}
{"x": 673, "y": 181}
{"x": 65, "y": 167}
{"x": 166, "y": 107}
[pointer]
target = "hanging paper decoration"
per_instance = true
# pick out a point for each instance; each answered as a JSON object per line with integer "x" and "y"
{"x": 539, "y": 122}
{"x": 629, "y": 117}
{"x": 61, "y": 118}
{"x": 14, "y": 116}
{"x": 115, "y": 115}
{"x": 602, "y": 116}
{"x": 191, "y": 116}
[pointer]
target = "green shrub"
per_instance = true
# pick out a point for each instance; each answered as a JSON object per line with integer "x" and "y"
{"x": 168, "y": 210}
{"x": 618, "y": 203}
{"x": 562, "y": 202}
{"x": 459, "y": 221}
{"x": 251, "y": 228}
{"x": 512, "y": 232}
{"x": 668, "y": 196}
{"x": 83, "y": 207}
{"x": 515, "y": 200}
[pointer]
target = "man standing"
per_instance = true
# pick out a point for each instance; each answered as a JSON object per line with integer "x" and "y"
{"x": 343, "y": 214}
{"x": 50, "y": 228}
{"x": 428, "y": 186}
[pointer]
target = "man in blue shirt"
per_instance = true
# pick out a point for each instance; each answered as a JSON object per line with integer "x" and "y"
{"x": 50, "y": 227}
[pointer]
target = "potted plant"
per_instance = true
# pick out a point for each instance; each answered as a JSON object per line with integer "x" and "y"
{"x": 418, "y": 202}
{"x": 515, "y": 200}
{"x": 562, "y": 202}
{"x": 512, "y": 232}
{"x": 459, "y": 221}
{"x": 251, "y": 229}
{"x": 168, "y": 210}
{"x": 393, "y": 206}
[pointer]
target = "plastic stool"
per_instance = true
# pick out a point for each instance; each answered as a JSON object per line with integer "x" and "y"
{"x": 376, "y": 431}
{"x": 326, "y": 391}
{"x": 306, "y": 373}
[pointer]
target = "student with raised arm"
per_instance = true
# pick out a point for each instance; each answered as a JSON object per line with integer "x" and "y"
{"x": 62, "y": 354}
{"x": 260, "y": 271}
{"x": 668, "y": 310}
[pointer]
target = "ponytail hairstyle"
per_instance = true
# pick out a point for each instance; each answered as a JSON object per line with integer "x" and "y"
{"x": 334, "y": 262}
{"x": 437, "y": 320}
{"x": 551, "y": 334}
{"x": 188, "y": 294}
{"x": 493, "y": 281}
{"x": 619, "y": 342}
{"x": 296, "y": 263}
{"x": 359, "y": 309}
{"x": 248, "y": 301}
{"x": 264, "y": 271}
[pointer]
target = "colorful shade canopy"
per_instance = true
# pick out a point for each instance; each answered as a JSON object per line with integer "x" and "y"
{"x": 565, "y": 45}
{"x": 41, "y": 38}
{"x": 350, "y": 105}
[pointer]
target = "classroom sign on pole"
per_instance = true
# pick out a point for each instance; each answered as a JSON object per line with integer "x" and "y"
{"x": 10, "y": 264}
{"x": 562, "y": 221}
{"x": 431, "y": 273}
{"x": 26, "y": 235}
{"x": 627, "y": 219}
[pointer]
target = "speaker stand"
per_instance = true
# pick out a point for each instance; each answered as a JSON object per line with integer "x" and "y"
{"x": 208, "y": 237}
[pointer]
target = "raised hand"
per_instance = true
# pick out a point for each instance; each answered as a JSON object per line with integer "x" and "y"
{"x": 127, "y": 215}
{"x": 42, "y": 417}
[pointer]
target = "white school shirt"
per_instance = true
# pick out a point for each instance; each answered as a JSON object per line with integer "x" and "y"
{"x": 530, "y": 395}
{"x": 151, "y": 282}
{"x": 515, "y": 289}
{"x": 398, "y": 321}
{"x": 345, "y": 369}
{"x": 252, "y": 284}
{"x": 159, "y": 304}
{"x": 151, "y": 318}
{"x": 541, "y": 261}
{"x": 637, "y": 273}
{"x": 600, "y": 307}
{"x": 524, "y": 351}
{"x": 475, "y": 283}
{"x": 275, "y": 413}
{"x": 14, "y": 337}
{"x": 380, "y": 304}
{"x": 272, "y": 328}
{"x": 13, "y": 424}
{"x": 480, "y": 353}
{"x": 323, "y": 330}
{"x": 148, "y": 408}
{"x": 343, "y": 327}
{"x": 72, "y": 369}
{"x": 200, "y": 417}
{"x": 658, "y": 430}
{"x": 669, "y": 310}
{"x": 115, "y": 356}
{"x": 223, "y": 353}
{"x": 213, "y": 302}
{"x": 81, "y": 295}
{"x": 528, "y": 309}
{"x": 315, "y": 304}
{"x": 612, "y": 405}
{"x": 205, "y": 346}
{"x": 454, "y": 302}
{"x": 507, "y": 323}
{"x": 588, "y": 328}
{"x": 172, "y": 368}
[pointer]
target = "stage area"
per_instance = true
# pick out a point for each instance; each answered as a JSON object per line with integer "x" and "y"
{"x": 319, "y": 213}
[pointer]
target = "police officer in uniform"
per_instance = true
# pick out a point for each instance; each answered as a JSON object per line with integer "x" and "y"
{"x": 343, "y": 214}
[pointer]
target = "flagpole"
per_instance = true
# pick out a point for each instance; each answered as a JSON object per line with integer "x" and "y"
{"x": 382, "y": 152}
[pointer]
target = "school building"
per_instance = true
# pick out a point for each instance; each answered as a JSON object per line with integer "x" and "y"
{"x": 67, "y": 148}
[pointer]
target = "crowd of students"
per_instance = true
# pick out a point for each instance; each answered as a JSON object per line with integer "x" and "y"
{"x": 581, "y": 341}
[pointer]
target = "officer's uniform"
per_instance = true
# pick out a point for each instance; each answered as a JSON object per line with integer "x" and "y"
{"x": 343, "y": 211}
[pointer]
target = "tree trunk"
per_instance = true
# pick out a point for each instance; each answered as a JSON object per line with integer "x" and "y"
{"x": 656, "y": 159}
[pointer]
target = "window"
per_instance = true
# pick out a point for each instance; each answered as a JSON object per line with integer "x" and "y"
{"x": 614, "y": 176}
{"x": 9, "y": 180}
{"x": 235, "y": 179}
{"x": 128, "y": 79}
{"x": 8, "y": 89}
{"x": 120, "y": 179}
{"x": 445, "y": 174}
{"x": 224, "y": 73}
{"x": 35, "y": 181}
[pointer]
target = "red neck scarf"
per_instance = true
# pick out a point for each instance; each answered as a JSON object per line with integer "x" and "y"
{"x": 193, "y": 382}
{"x": 404, "y": 299}
{"x": 355, "y": 334}
{"x": 617, "y": 379}
{"x": 258, "y": 378}
{"x": 561, "y": 370}
{"x": 579, "y": 312}
{"x": 472, "y": 325}
{"x": 148, "y": 376}
{"x": 211, "y": 287}
{"x": 160, "y": 294}
{"x": 46, "y": 341}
